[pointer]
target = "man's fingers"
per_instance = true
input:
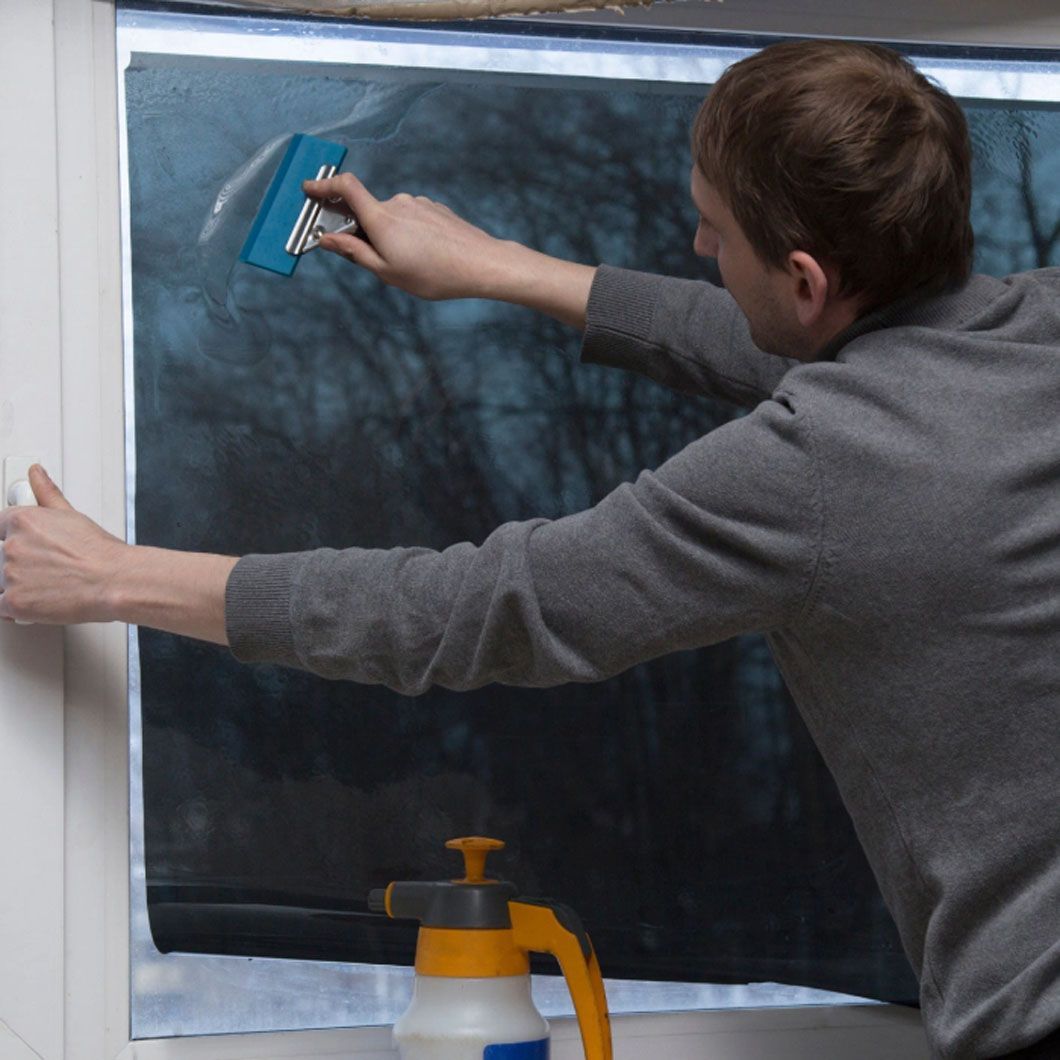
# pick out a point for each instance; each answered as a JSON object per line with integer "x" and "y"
{"x": 353, "y": 249}
{"x": 47, "y": 493}
{"x": 5, "y": 599}
{"x": 348, "y": 188}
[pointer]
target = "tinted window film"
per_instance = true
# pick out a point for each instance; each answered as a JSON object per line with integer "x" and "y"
{"x": 681, "y": 807}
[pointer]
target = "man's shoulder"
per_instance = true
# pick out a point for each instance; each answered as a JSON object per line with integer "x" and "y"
{"x": 1049, "y": 276}
{"x": 947, "y": 359}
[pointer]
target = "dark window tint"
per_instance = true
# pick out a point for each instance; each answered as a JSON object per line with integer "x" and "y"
{"x": 681, "y": 807}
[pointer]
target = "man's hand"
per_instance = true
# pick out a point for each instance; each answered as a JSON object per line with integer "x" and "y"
{"x": 413, "y": 243}
{"x": 424, "y": 248}
{"x": 57, "y": 565}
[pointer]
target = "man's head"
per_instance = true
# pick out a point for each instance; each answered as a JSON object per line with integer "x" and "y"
{"x": 831, "y": 178}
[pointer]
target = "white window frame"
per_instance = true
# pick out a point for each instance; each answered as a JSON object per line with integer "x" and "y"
{"x": 64, "y": 807}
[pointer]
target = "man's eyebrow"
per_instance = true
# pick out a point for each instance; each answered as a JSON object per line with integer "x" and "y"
{"x": 701, "y": 212}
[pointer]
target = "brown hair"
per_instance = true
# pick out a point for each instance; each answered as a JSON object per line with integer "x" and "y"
{"x": 844, "y": 151}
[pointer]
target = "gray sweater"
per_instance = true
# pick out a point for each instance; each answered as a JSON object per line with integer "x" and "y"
{"x": 889, "y": 515}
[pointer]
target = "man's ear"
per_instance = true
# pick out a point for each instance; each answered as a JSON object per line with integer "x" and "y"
{"x": 812, "y": 286}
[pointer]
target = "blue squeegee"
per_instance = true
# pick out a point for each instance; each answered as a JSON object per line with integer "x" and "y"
{"x": 289, "y": 223}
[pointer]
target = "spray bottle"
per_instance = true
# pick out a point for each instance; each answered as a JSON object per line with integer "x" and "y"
{"x": 472, "y": 988}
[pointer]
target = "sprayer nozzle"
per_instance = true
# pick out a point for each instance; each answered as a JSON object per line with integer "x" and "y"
{"x": 377, "y": 900}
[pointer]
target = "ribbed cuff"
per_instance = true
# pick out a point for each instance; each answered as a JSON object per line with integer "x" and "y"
{"x": 619, "y": 316}
{"x": 258, "y": 608}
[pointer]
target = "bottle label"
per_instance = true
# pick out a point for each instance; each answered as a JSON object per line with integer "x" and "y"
{"x": 518, "y": 1051}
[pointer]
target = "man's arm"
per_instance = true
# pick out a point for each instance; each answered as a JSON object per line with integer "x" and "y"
{"x": 723, "y": 539}
{"x": 688, "y": 335}
{"x": 58, "y": 566}
{"x": 424, "y": 248}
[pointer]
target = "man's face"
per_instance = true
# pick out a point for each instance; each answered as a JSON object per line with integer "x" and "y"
{"x": 761, "y": 292}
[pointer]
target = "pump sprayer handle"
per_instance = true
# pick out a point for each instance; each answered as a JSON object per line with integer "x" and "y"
{"x": 548, "y": 927}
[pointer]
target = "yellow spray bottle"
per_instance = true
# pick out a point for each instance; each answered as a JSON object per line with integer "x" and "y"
{"x": 472, "y": 989}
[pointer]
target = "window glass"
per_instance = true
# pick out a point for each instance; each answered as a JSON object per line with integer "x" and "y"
{"x": 680, "y": 807}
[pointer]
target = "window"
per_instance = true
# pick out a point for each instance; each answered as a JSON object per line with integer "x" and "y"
{"x": 268, "y": 414}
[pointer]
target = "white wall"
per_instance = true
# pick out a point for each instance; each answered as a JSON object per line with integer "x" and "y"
{"x": 31, "y": 703}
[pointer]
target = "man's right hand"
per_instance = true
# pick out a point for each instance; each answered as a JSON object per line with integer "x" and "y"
{"x": 424, "y": 248}
{"x": 413, "y": 243}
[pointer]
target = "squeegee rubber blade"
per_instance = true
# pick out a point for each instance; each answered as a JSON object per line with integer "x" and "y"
{"x": 283, "y": 201}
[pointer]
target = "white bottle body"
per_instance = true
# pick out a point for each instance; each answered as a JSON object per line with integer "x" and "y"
{"x": 456, "y": 1019}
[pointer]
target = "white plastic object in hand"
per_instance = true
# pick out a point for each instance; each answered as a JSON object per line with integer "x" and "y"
{"x": 21, "y": 494}
{"x": 16, "y": 480}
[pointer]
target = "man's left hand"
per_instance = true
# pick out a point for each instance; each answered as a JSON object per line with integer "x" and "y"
{"x": 56, "y": 565}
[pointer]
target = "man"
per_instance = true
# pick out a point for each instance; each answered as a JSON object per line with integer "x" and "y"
{"x": 888, "y": 512}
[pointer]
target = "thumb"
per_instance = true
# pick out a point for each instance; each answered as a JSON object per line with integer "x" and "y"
{"x": 354, "y": 249}
{"x": 47, "y": 493}
{"x": 348, "y": 188}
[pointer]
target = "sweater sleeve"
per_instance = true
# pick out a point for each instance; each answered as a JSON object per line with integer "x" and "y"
{"x": 720, "y": 540}
{"x": 688, "y": 335}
